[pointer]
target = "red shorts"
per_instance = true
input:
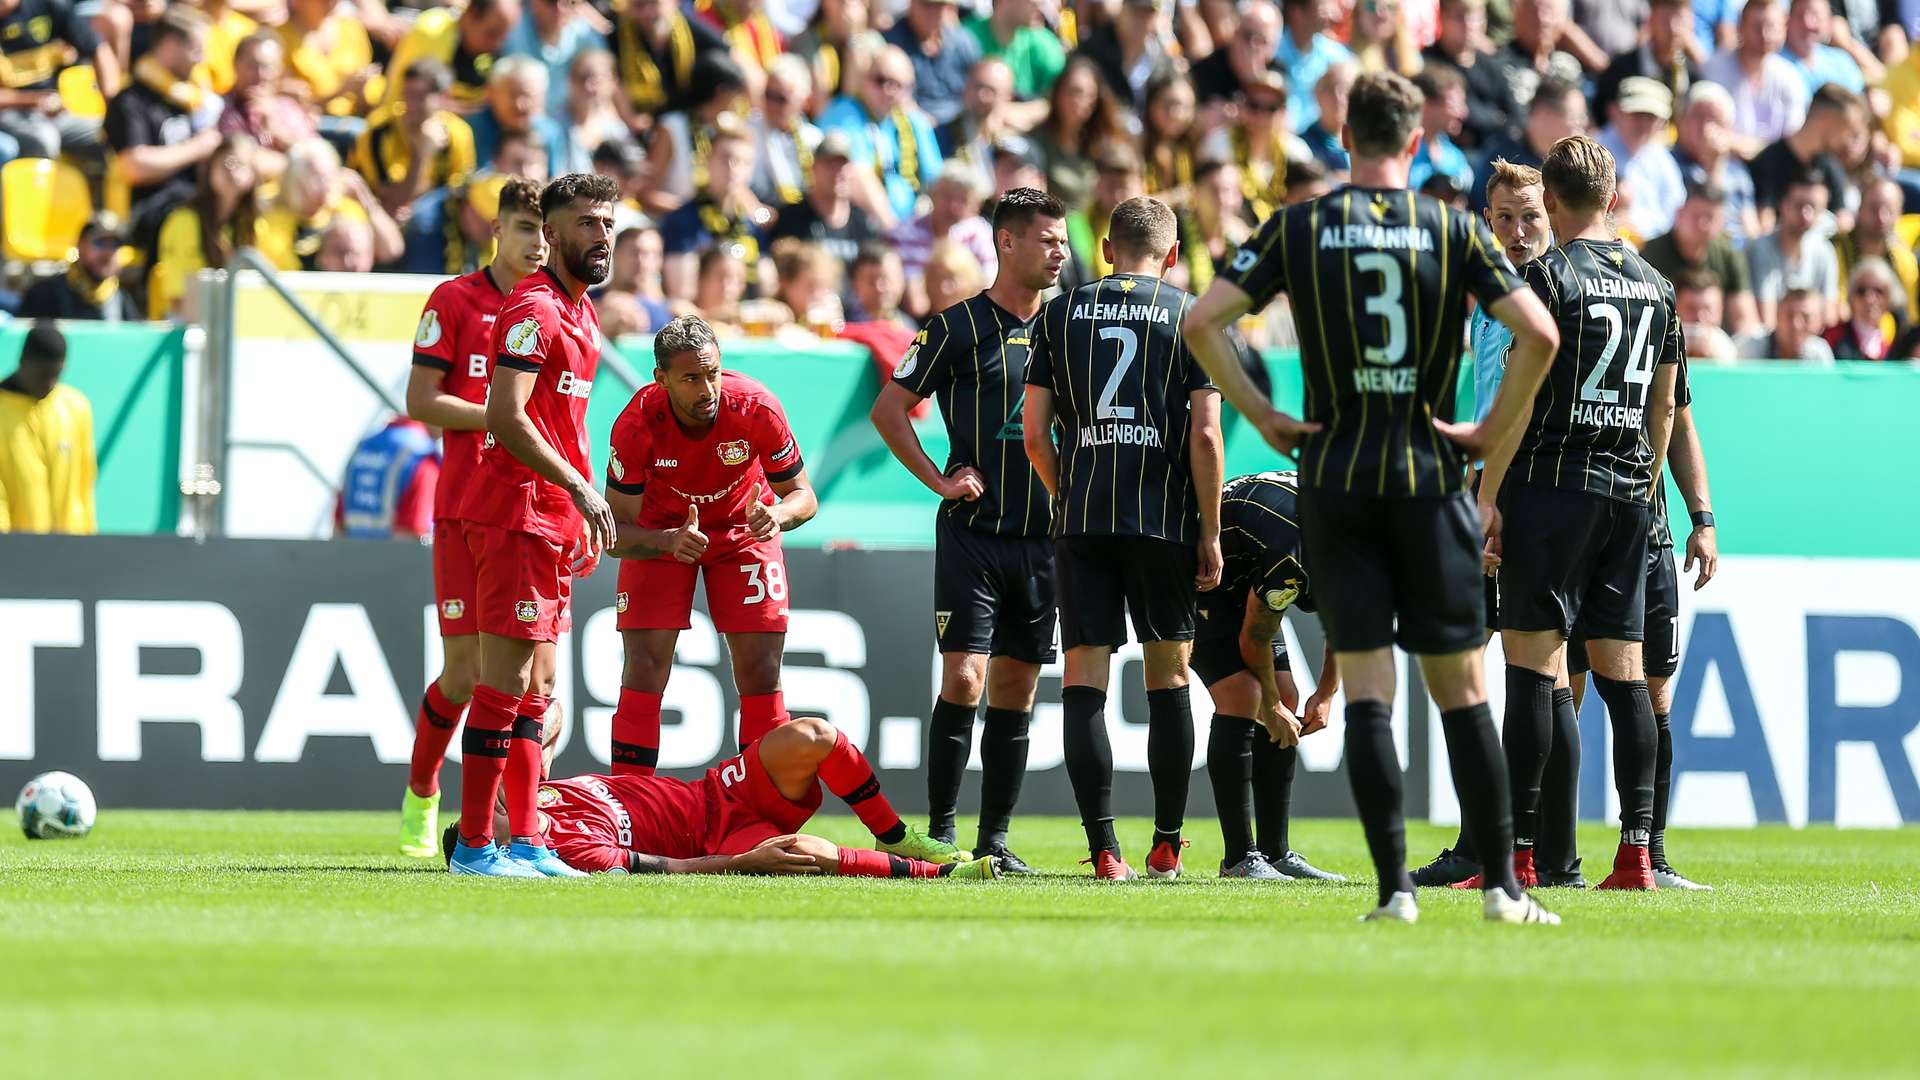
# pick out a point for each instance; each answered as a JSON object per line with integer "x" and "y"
{"x": 744, "y": 807}
{"x": 523, "y": 583}
{"x": 746, "y": 588}
{"x": 453, "y": 579}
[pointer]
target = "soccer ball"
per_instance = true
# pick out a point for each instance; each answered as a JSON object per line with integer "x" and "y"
{"x": 55, "y": 804}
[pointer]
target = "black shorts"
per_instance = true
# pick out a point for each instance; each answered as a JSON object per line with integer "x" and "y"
{"x": 1106, "y": 579}
{"x": 1569, "y": 558}
{"x": 1391, "y": 570}
{"x": 1660, "y": 651}
{"x": 992, "y": 595}
{"x": 1216, "y": 637}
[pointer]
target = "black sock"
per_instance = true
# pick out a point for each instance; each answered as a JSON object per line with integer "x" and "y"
{"x": 1463, "y": 846}
{"x": 1558, "y": 849}
{"x": 1273, "y": 770}
{"x": 1373, "y": 769}
{"x": 1169, "y": 759}
{"x": 1662, "y": 790}
{"x": 1003, "y": 765}
{"x": 894, "y": 834}
{"x": 1480, "y": 779}
{"x": 1526, "y": 736}
{"x": 1635, "y": 745}
{"x": 949, "y": 742}
{"x": 1230, "y": 771}
{"x": 1083, "y": 725}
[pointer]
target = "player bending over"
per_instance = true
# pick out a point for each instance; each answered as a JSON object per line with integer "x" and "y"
{"x": 742, "y": 817}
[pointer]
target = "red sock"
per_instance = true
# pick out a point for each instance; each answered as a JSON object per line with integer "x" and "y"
{"x": 761, "y": 713}
{"x": 523, "y": 767}
{"x": 846, "y": 773}
{"x": 860, "y": 862}
{"x": 636, "y": 733}
{"x": 432, "y": 731}
{"x": 484, "y": 749}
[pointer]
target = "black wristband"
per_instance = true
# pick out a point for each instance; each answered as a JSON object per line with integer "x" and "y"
{"x": 1702, "y": 519}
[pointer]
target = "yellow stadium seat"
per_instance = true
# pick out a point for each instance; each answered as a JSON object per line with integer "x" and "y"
{"x": 1908, "y": 230}
{"x": 81, "y": 94}
{"x": 43, "y": 204}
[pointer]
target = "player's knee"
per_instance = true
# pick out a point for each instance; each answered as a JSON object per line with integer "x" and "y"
{"x": 456, "y": 684}
{"x": 962, "y": 678}
{"x": 1011, "y": 684}
{"x": 807, "y": 738}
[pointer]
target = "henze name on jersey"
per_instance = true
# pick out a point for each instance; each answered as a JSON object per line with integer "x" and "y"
{"x": 1614, "y": 416}
{"x": 1110, "y": 434}
{"x": 1152, "y": 313}
{"x": 1404, "y": 237}
{"x": 1380, "y": 380}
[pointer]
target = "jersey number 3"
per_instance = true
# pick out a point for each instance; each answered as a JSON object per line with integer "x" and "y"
{"x": 1388, "y": 305}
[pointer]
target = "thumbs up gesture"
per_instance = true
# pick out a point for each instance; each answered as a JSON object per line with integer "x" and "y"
{"x": 762, "y": 522}
{"x": 689, "y": 543}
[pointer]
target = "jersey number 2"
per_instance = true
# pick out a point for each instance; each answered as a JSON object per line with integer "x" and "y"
{"x": 1387, "y": 305}
{"x": 1637, "y": 374}
{"x": 1129, "y": 347}
{"x": 766, "y": 580}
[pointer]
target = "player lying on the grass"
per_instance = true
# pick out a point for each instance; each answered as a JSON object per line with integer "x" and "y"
{"x": 1240, "y": 656}
{"x": 742, "y": 817}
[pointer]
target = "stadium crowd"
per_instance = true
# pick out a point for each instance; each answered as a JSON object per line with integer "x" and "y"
{"x": 820, "y": 166}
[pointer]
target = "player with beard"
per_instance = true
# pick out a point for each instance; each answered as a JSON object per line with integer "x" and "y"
{"x": 993, "y": 596}
{"x": 534, "y": 518}
{"x": 448, "y": 389}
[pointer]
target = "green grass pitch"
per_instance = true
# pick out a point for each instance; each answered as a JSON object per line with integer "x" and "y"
{"x": 290, "y": 945}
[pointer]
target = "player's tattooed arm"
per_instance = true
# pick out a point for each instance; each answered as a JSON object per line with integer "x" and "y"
{"x": 1257, "y": 631}
{"x": 640, "y": 863}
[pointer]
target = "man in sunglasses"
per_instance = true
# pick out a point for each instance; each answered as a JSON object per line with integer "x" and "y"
{"x": 90, "y": 289}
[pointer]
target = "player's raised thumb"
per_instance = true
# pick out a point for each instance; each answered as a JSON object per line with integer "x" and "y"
{"x": 693, "y": 516}
{"x": 758, "y": 491}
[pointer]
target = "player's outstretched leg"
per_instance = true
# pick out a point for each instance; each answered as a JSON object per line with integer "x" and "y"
{"x": 846, "y": 772}
{"x": 1630, "y": 712}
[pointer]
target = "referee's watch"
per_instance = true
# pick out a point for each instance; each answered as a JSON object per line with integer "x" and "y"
{"x": 1702, "y": 519}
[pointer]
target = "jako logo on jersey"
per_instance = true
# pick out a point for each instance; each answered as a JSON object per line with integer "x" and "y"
{"x": 620, "y": 603}
{"x": 454, "y": 609}
{"x": 732, "y": 452}
{"x": 526, "y": 611}
{"x": 666, "y": 463}
{"x": 523, "y": 337}
{"x": 429, "y": 333}
{"x": 571, "y": 385}
{"x": 940, "y": 620}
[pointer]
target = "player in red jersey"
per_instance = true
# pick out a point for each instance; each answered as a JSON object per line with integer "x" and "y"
{"x": 448, "y": 389}
{"x": 532, "y": 517}
{"x": 694, "y": 455}
{"x": 742, "y": 817}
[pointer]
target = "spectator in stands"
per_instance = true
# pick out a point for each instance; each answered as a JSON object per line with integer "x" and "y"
{"x": 35, "y": 36}
{"x": 1305, "y": 53}
{"x": 1307, "y": 180}
{"x": 516, "y": 101}
{"x": 1874, "y": 237}
{"x": 1213, "y": 226}
{"x": 887, "y": 138}
{"x": 1323, "y": 135}
{"x": 1697, "y": 301}
{"x": 591, "y": 110}
{"x": 827, "y": 216}
{"x": 1116, "y": 179}
{"x": 1636, "y": 136}
{"x": 658, "y": 47}
{"x": 747, "y": 30}
{"x": 1016, "y": 164}
{"x": 723, "y": 214}
{"x": 1259, "y": 145}
{"x": 952, "y": 275}
{"x": 968, "y": 138}
{"x": 1168, "y": 139}
{"x": 1249, "y": 58}
{"x": 90, "y": 289}
{"x": 47, "y": 467}
{"x": 555, "y": 33}
{"x": 1809, "y": 28}
{"x": 786, "y": 138}
{"x": 1795, "y": 254}
{"x": 329, "y": 52}
{"x": 1131, "y": 52}
{"x": 388, "y": 490}
{"x": 163, "y": 124}
{"x": 634, "y": 284}
{"x": 826, "y": 45}
{"x": 1666, "y": 55}
{"x": 809, "y": 286}
{"x": 416, "y": 146}
{"x": 623, "y": 160}
{"x": 1614, "y": 26}
{"x": 1835, "y": 132}
{"x": 1769, "y": 96}
{"x": 257, "y": 106}
{"x": 1383, "y": 37}
{"x": 1494, "y": 117}
{"x": 1797, "y": 333}
{"x": 1705, "y": 156}
{"x": 346, "y": 247}
{"x": 1014, "y": 34}
{"x": 222, "y": 216}
{"x": 1874, "y": 329}
{"x": 467, "y": 41}
{"x": 1558, "y": 109}
{"x": 873, "y": 310}
{"x": 226, "y": 29}
{"x": 1084, "y": 116}
{"x": 1698, "y": 239}
{"x": 314, "y": 191}
{"x": 719, "y": 287}
{"x": 953, "y": 213}
{"x": 1442, "y": 115}
{"x": 942, "y": 54}
{"x": 678, "y": 147}
{"x": 1547, "y": 42}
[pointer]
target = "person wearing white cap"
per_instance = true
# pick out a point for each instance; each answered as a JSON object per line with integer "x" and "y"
{"x": 1636, "y": 136}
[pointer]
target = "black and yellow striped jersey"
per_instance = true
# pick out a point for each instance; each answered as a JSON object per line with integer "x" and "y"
{"x": 1378, "y": 281}
{"x": 1121, "y": 377}
{"x": 972, "y": 360}
{"x": 1617, "y": 324}
{"x": 1260, "y": 540}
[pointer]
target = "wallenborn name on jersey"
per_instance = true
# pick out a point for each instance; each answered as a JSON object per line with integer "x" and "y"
{"x": 1617, "y": 324}
{"x": 1111, "y": 353}
{"x": 1378, "y": 281}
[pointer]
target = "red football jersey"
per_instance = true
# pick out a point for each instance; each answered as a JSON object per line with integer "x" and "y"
{"x": 543, "y": 330}
{"x": 456, "y": 338}
{"x": 593, "y": 821}
{"x": 748, "y": 441}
